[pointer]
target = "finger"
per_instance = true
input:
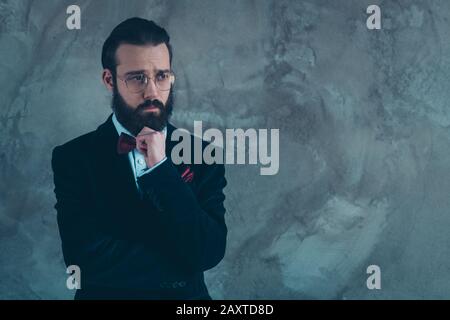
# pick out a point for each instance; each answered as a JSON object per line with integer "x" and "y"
{"x": 146, "y": 130}
{"x": 145, "y": 134}
{"x": 142, "y": 139}
{"x": 141, "y": 146}
{"x": 142, "y": 151}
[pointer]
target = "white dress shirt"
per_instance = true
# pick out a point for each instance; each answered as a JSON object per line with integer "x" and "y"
{"x": 137, "y": 160}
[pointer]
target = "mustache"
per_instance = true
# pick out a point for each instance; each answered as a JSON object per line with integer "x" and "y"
{"x": 153, "y": 102}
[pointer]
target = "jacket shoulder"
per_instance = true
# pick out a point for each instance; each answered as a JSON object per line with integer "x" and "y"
{"x": 76, "y": 145}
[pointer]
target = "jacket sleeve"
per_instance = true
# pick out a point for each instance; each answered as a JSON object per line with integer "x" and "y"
{"x": 196, "y": 226}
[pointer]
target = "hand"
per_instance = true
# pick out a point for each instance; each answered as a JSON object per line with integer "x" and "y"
{"x": 152, "y": 144}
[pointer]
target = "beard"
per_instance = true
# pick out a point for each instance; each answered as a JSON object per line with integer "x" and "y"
{"x": 135, "y": 119}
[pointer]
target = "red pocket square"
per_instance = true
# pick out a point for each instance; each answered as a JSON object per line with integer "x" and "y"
{"x": 187, "y": 175}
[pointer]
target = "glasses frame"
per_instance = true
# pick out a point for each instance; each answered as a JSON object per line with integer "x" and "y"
{"x": 172, "y": 80}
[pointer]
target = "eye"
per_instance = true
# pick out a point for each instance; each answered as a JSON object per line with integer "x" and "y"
{"x": 137, "y": 78}
{"x": 162, "y": 76}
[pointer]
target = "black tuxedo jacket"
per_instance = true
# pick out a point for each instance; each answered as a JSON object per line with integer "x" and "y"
{"x": 150, "y": 245}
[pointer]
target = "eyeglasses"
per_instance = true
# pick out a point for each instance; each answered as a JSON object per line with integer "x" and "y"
{"x": 137, "y": 83}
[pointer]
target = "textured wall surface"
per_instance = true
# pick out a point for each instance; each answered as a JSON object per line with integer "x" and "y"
{"x": 364, "y": 137}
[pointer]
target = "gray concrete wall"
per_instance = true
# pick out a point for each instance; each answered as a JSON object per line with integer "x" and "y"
{"x": 364, "y": 137}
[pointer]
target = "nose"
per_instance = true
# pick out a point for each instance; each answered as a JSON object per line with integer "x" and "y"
{"x": 151, "y": 92}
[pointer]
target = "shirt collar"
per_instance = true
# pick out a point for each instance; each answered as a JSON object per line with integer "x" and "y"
{"x": 121, "y": 129}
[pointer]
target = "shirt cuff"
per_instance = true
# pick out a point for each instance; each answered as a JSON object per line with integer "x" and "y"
{"x": 152, "y": 168}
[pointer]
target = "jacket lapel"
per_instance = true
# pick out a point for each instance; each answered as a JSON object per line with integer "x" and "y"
{"x": 115, "y": 168}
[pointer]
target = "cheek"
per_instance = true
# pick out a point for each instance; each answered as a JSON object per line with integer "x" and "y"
{"x": 165, "y": 96}
{"x": 130, "y": 98}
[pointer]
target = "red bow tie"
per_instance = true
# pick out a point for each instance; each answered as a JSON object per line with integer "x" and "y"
{"x": 126, "y": 143}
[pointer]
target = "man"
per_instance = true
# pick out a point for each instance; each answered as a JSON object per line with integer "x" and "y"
{"x": 137, "y": 225}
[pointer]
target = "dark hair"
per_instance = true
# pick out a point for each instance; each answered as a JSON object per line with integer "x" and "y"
{"x": 135, "y": 31}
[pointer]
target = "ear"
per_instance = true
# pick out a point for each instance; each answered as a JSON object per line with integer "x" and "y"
{"x": 108, "y": 80}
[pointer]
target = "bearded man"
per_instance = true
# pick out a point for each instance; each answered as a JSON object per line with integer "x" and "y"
{"x": 136, "y": 224}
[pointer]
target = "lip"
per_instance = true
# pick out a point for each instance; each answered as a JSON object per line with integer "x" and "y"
{"x": 151, "y": 108}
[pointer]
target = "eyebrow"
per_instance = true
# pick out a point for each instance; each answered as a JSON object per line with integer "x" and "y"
{"x": 129, "y": 73}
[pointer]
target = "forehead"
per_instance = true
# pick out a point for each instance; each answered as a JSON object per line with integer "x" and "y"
{"x": 148, "y": 57}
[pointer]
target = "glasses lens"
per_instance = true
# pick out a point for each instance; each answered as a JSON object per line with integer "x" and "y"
{"x": 164, "y": 81}
{"x": 137, "y": 83}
